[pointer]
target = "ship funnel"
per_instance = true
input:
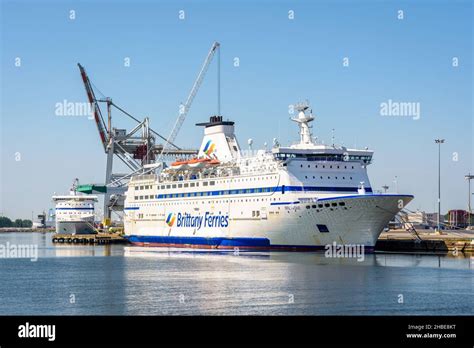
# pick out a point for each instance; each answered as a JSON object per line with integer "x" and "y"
{"x": 219, "y": 140}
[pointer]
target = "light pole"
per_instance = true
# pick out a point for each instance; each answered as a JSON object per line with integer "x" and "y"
{"x": 385, "y": 188}
{"x": 439, "y": 142}
{"x": 469, "y": 177}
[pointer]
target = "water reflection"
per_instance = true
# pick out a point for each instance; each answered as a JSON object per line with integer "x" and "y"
{"x": 459, "y": 261}
{"x": 118, "y": 279}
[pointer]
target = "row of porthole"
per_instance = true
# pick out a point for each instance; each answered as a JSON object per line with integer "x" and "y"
{"x": 205, "y": 183}
{"x": 330, "y": 167}
{"x": 209, "y": 202}
{"x": 327, "y": 205}
{"x": 343, "y": 178}
{"x": 74, "y": 205}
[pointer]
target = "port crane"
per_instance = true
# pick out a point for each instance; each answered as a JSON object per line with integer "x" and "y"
{"x": 184, "y": 109}
{"x": 137, "y": 148}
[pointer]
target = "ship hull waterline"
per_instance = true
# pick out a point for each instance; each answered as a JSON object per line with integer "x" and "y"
{"x": 297, "y": 228}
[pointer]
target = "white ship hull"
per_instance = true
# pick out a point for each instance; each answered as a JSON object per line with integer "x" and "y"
{"x": 74, "y": 227}
{"x": 287, "y": 225}
{"x": 74, "y": 213}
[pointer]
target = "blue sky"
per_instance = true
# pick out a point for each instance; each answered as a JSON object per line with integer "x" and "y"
{"x": 282, "y": 61}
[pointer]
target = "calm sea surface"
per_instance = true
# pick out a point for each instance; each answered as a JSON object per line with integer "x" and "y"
{"x": 125, "y": 280}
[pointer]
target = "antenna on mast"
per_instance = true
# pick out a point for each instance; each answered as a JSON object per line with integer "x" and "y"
{"x": 303, "y": 121}
{"x": 218, "y": 81}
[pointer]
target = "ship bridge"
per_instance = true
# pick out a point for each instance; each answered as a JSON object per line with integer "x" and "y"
{"x": 308, "y": 149}
{"x": 324, "y": 153}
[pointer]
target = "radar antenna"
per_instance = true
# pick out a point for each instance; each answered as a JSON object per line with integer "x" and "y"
{"x": 303, "y": 121}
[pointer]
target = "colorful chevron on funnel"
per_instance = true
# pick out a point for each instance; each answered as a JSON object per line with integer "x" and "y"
{"x": 209, "y": 148}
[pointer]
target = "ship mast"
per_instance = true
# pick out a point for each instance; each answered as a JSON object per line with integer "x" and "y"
{"x": 303, "y": 121}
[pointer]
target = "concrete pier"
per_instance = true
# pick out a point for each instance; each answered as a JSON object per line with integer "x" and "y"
{"x": 461, "y": 241}
{"x": 431, "y": 241}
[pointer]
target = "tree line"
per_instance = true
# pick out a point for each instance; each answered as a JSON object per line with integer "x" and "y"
{"x": 6, "y": 222}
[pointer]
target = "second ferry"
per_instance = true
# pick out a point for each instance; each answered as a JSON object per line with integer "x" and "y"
{"x": 301, "y": 197}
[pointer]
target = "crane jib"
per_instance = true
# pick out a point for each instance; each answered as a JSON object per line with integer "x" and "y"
{"x": 92, "y": 101}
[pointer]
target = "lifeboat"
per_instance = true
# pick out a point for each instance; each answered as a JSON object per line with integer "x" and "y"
{"x": 198, "y": 162}
{"x": 194, "y": 163}
{"x": 179, "y": 164}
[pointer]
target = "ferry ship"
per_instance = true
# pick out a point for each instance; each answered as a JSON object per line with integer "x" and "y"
{"x": 75, "y": 212}
{"x": 300, "y": 197}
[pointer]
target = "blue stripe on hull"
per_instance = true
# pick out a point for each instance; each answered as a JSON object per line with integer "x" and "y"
{"x": 202, "y": 241}
{"x": 222, "y": 243}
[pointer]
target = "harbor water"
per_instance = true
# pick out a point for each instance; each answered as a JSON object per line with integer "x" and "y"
{"x": 127, "y": 280}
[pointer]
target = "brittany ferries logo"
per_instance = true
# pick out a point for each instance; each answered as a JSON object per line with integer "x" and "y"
{"x": 170, "y": 219}
{"x": 209, "y": 148}
{"x": 197, "y": 221}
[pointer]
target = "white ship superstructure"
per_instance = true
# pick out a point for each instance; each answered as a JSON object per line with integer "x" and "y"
{"x": 300, "y": 197}
{"x": 74, "y": 213}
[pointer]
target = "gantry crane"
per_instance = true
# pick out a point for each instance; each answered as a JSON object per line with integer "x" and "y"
{"x": 137, "y": 148}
